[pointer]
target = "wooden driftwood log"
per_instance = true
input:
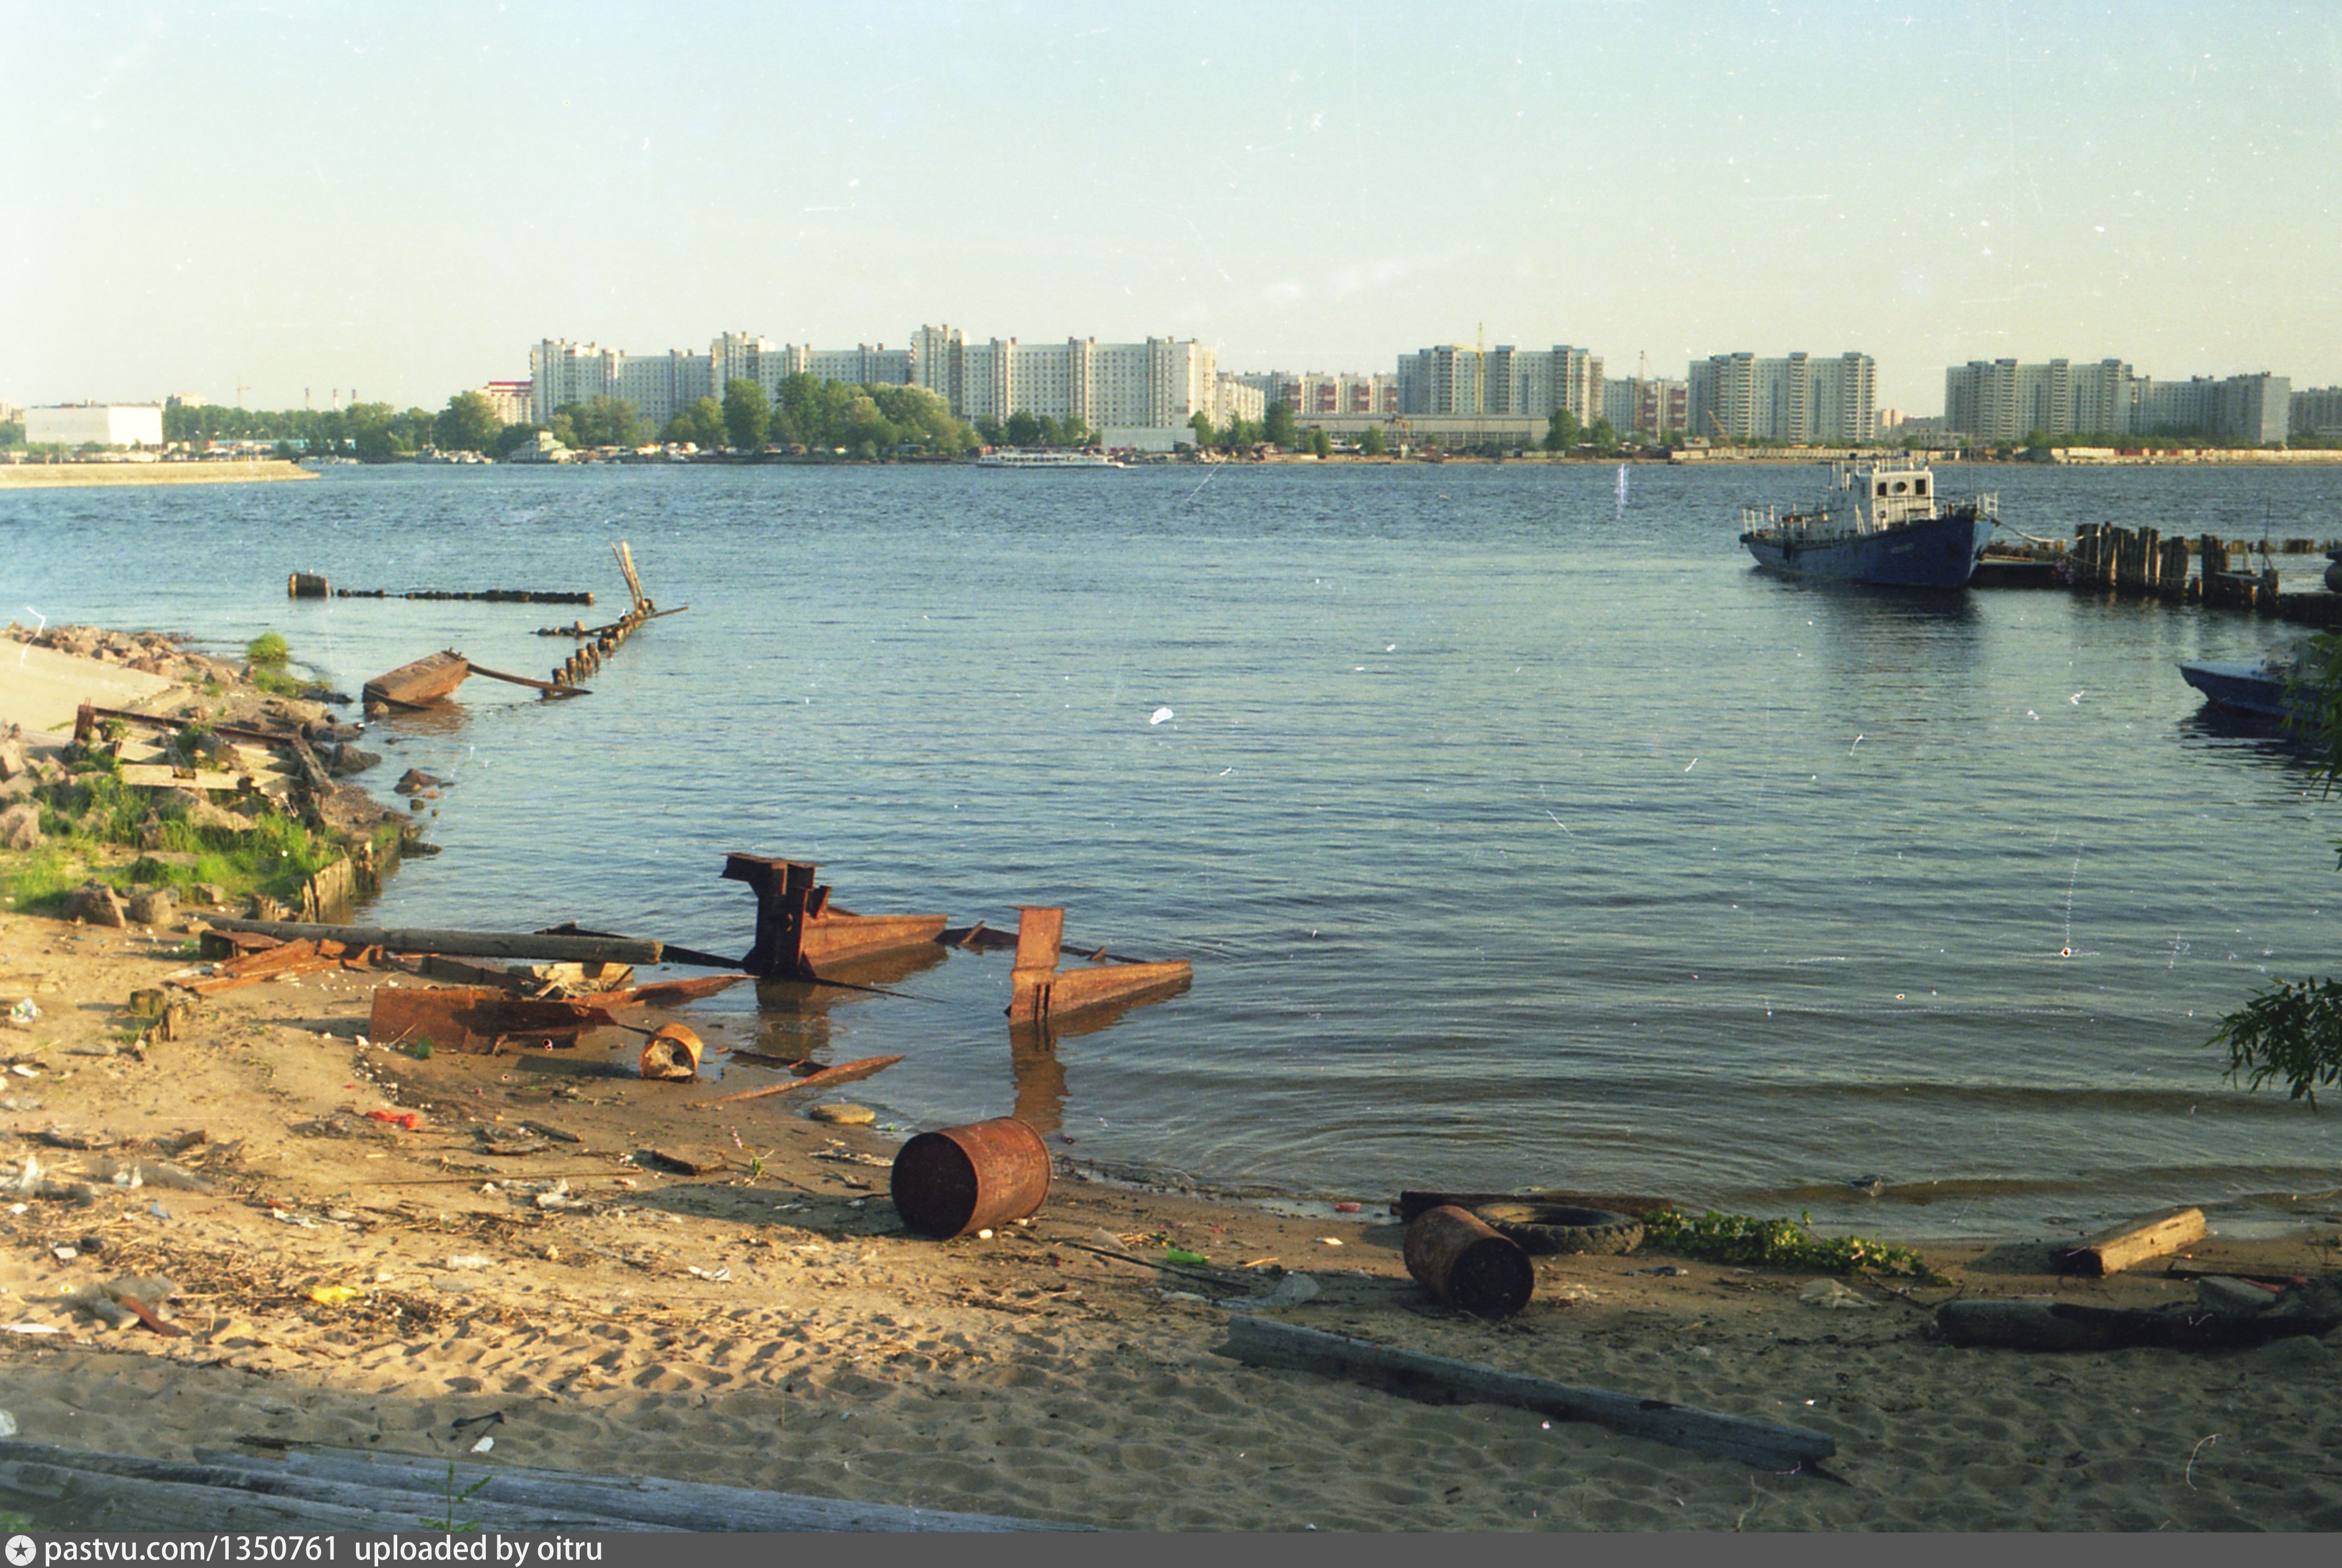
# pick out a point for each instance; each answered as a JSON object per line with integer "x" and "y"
{"x": 2067, "y": 1326}
{"x": 1439, "y": 1380}
{"x": 460, "y": 944}
{"x": 2111, "y": 1252}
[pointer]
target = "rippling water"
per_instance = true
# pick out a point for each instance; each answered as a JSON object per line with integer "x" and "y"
{"x": 1517, "y": 835}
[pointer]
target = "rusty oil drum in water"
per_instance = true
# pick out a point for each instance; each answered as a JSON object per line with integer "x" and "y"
{"x": 1465, "y": 1264}
{"x": 961, "y": 1179}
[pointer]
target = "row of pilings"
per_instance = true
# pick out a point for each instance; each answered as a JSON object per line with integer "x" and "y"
{"x": 2140, "y": 562}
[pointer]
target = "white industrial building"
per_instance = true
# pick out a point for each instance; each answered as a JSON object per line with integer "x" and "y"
{"x": 105, "y": 424}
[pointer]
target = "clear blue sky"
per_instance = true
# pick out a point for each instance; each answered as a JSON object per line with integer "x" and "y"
{"x": 402, "y": 198}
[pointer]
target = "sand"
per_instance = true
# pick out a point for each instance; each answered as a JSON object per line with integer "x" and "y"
{"x": 56, "y": 476}
{"x": 771, "y": 1325}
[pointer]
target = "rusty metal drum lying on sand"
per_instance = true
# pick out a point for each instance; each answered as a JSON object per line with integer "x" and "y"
{"x": 956, "y": 1180}
{"x": 672, "y": 1053}
{"x": 1465, "y": 1264}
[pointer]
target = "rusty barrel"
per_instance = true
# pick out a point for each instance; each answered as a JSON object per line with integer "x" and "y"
{"x": 1464, "y": 1262}
{"x": 673, "y": 1052}
{"x": 961, "y": 1179}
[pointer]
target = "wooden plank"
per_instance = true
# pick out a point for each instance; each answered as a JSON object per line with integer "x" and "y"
{"x": 649, "y": 1499}
{"x": 1439, "y": 1379}
{"x": 2111, "y": 1252}
{"x": 525, "y": 681}
{"x": 846, "y": 1072}
{"x": 460, "y": 944}
{"x": 123, "y": 1492}
{"x": 160, "y": 775}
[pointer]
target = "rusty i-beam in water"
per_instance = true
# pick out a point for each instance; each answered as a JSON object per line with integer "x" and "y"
{"x": 1038, "y": 989}
{"x": 800, "y": 931}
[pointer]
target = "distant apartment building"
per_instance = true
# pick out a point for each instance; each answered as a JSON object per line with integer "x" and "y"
{"x": 1507, "y": 381}
{"x": 2004, "y": 401}
{"x": 1162, "y": 382}
{"x": 1159, "y": 383}
{"x": 101, "y": 423}
{"x": 1317, "y": 394}
{"x": 511, "y": 400}
{"x": 2317, "y": 411}
{"x": 2256, "y": 408}
{"x": 1799, "y": 398}
{"x": 1649, "y": 406}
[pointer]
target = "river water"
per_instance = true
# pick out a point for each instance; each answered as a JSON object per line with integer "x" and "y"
{"x": 1519, "y": 830}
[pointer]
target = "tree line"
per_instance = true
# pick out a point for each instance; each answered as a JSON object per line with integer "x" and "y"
{"x": 865, "y": 422}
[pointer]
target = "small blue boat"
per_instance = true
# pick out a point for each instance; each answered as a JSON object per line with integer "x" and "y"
{"x": 2257, "y": 689}
{"x": 1881, "y": 524}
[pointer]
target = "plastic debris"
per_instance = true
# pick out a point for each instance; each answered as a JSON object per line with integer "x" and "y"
{"x": 23, "y": 1013}
{"x": 1292, "y": 1290}
{"x": 7, "y": 1423}
{"x": 408, "y": 1120}
{"x": 1833, "y": 1296}
{"x": 483, "y": 1445}
{"x": 1180, "y": 1255}
{"x": 335, "y": 1296}
{"x": 471, "y": 1261}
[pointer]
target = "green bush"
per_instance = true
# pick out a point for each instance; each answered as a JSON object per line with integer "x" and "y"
{"x": 1785, "y": 1244}
{"x": 267, "y": 648}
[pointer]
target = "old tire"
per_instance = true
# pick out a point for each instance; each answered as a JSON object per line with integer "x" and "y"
{"x": 1561, "y": 1228}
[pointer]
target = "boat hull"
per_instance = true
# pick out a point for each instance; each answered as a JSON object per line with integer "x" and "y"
{"x": 2240, "y": 688}
{"x": 1940, "y": 553}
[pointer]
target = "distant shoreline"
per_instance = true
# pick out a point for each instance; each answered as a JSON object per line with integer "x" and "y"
{"x": 83, "y": 476}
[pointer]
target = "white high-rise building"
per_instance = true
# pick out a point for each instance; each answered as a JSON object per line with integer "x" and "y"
{"x": 1799, "y": 398}
{"x": 1159, "y": 383}
{"x": 2002, "y": 400}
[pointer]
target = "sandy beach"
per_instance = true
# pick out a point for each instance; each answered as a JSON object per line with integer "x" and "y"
{"x": 58, "y": 476}
{"x": 518, "y": 1264}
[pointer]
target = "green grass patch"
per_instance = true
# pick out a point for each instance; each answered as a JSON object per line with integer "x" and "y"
{"x": 1721, "y": 1238}
{"x": 35, "y": 881}
{"x": 269, "y": 648}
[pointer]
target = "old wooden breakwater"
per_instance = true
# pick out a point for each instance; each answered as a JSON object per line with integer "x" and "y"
{"x": 313, "y": 585}
{"x": 2140, "y": 562}
{"x": 600, "y": 642}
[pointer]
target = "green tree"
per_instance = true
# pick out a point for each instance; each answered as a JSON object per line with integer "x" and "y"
{"x": 468, "y": 423}
{"x": 1201, "y": 424}
{"x": 1605, "y": 438}
{"x": 1561, "y": 431}
{"x": 1022, "y": 429}
{"x": 1370, "y": 444}
{"x": 1277, "y": 428}
{"x": 746, "y": 414}
{"x": 988, "y": 431}
{"x": 701, "y": 424}
{"x": 1320, "y": 446}
{"x": 604, "y": 421}
{"x": 2293, "y": 1029}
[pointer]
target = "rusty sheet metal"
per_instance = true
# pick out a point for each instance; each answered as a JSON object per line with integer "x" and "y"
{"x": 1465, "y": 1264}
{"x": 1038, "y": 989}
{"x": 798, "y": 931}
{"x": 474, "y": 1018}
{"x": 670, "y": 992}
{"x": 958, "y": 1180}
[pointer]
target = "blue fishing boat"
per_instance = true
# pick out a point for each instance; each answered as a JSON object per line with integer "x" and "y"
{"x": 2259, "y": 690}
{"x": 1879, "y": 522}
